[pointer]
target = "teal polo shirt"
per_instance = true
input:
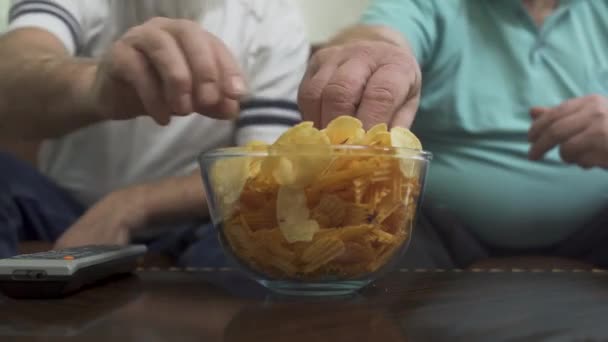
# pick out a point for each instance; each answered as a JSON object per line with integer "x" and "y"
{"x": 485, "y": 63}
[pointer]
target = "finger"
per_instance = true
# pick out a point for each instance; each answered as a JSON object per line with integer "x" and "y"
{"x": 549, "y": 117}
{"x": 574, "y": 148}
{"x": 135, "y": 69}
{"x": 343, "y": 91}
{"x": 537, "y": 112}
{"x": 311, "y": 89}
{"x": 227, "y": 105}
{"x": 588, "y": 161}
{"x": 558, "y": 133}
{"x": 197, "y": 49}
{"x": 384, "y": 94}
{"x": 232, "y": 80}
{"x": 592, "y": 159}
{"x": 406, "y": 115}
{"x": 165, "y": 55}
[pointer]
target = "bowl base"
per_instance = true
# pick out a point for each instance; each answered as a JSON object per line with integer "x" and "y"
{"x": 333, "y": 289}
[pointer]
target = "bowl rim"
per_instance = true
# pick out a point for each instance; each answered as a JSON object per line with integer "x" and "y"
{"x": 264, "y": 151}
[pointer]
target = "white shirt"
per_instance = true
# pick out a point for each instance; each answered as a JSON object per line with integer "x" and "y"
{"x": 267, "y": 37}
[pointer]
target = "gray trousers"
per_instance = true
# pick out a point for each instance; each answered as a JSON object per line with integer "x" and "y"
{"x": 441, "y": 240}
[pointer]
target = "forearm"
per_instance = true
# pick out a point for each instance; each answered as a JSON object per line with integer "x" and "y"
{"x": 44, "y": 91}
{"x": 174, "y": 199}
{"x": 374, "y": 33}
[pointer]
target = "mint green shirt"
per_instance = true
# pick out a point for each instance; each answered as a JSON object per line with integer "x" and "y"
{"x": 485, "y": 63}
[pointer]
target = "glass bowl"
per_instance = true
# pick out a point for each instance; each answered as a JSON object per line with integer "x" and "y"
{"x": 314, "y": 219}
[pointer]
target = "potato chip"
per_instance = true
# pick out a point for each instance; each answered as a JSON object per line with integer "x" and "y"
{"x": 302, "y": 134}
{"x": 344, "y": 130}
{"x": 293, "y": 216}
{"x": 356, "y": 253}
{"x": 404, "y": 138}
{"x": 308, "y": 210}
{"x": 381, "y": 139}
{"x": 229, "y": 177}
{"x": 384, "y": 256}
{"x": 358, "y": 214}
{"x": 383, "y": 237}
{"x": 255, "y": 144}
{"x": 330, "y": 212}
{"x": 351, "y": 233}
{"x": 321, "y": 252}
{"x": 284, "y": 172}
{"x": 372, "y": 133}
{"x": 299, "y": 166}
{"x": 260, "y": 219}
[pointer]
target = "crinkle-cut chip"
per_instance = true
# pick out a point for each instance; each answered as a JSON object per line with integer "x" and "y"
{"x": 330, "y": 181}
{"x": 383, "y": 237}
{"x": 344, "y": 130}
{"x": 259, "y": 195}
{"x": 385, "y": 209}
{"x": 240, "y": 241}
{"x": 356, "y": 253}
{"x": 350, "y": 233}
{"x": 331, "y": 211}
{"x": 321, "y": 252}
{"x": 358, "y": 215}
{"x": 229, "y": 177}
{"x": 384, "y": 256}
{"x": 397, "y": 222}
{"x": 285, "y": 266}
{"x": 260, "y": 219}
{"x": 274, "y": 242}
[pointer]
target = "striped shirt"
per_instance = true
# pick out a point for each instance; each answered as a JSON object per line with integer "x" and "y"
{"x": 267, "y": 38}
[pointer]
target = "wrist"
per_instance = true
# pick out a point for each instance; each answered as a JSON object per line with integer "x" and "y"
{"x": 369, "y": 33}
{"x": 83, "y": 92}
{"x": 137, "y": 199}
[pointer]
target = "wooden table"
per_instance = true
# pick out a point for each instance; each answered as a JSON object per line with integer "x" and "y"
{"x": 407, "y": 305}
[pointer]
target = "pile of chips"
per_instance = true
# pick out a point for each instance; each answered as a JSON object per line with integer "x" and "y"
{"x": 308, "y": 207}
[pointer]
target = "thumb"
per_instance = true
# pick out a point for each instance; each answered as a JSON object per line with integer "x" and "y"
{"x": 537, "y": 112}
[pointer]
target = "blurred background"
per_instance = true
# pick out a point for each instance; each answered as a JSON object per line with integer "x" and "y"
{"x": 3, "y": 13}
{"x": 323, "y": 17}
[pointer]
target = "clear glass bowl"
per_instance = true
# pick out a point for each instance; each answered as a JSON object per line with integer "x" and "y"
{"x": 314, "y": 220}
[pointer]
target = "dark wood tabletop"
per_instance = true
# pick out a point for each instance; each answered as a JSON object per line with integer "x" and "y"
{"x": 406, "y": 305}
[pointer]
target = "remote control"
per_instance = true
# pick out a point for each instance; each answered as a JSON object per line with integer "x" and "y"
{"x": 58, "y": 273}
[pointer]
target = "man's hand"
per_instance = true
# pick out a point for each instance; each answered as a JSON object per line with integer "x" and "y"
{"x": 115, "y": 217}
{"x": 378, "y": 82}
{"x": 110, "y": 221}
{"x": 168, "y": 67}
{"x": 578, "y": 126}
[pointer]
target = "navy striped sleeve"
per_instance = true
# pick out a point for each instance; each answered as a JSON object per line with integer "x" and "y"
{"x": 20, "y": 8}
{"x": 265, "y": 120}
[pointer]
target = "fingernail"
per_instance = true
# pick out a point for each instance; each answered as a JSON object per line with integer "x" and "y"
{"x": 238, "y": 85}
{"x": 210, "y": 94}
